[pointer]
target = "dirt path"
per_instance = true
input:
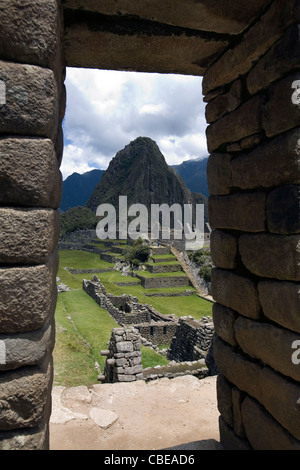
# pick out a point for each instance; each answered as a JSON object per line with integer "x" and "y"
{"x": 136, "y": 416}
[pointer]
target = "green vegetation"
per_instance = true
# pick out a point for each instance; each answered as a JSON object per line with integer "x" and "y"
{"x": 83, "y": 328}
{"x": 165, "y": 263}
{"x": 151, "y": 358}
{"x": 203, "y": 260}
{"x": 77, "y": 218}
{"x": 168, "y": 274}
{"x": 138, "y": 253}
{"x": 181, "y": 306}
{"x": 168, "y": 257}
{"x": 77, "y": 350}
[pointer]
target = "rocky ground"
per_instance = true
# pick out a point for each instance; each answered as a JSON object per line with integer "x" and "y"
{"x": 161, "y": 414}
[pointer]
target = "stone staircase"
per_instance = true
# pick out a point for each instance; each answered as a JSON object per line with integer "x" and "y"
{"x": 187, "y": 271}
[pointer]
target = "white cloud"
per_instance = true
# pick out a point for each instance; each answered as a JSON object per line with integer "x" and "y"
{"x": 106, "y": 110}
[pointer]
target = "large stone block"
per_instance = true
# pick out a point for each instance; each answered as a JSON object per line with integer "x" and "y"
{"x": 274, "y": 163}
{"x": 32, "y": 107}
{"x": 245, "y": 212}
{"x": 270, "y": 255}
{"x": 229, "y": 439}
{"x": 231, "y": 17}
{"x": 25, "y": 439}
{"x": 243, "y": 122}
{"x": 219, "y": 179}
{"x": 30, "y": 31}
{"x": 263, "y": 431}
{"x": 236, "y": 292}
{"x": 268, "y": 343}
{"x": 28, "y": 236}
{"x": 24, "y": 396}
{"x": 238, "y": 60}
{"x": 224, "y": 319}
{"x": 29, "y": 174}
{"x": 278, "y": 394}
{"x": 224, "y": 397}
{"x": 224, "y": 103}
{"x": 283, "y": 210}
{"x": 281, "y": 302}
{"x": 26, "y": 349}
{"x": 283, "y": 95}
{"x": 223, "y": 249}
{"x": 281, "y": 59}
{"x": 120, "y": 43}
{"x": 27, "y": 296}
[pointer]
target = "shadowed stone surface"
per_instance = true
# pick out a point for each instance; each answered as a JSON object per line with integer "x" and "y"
{"x": 236, "y": 292}
{"x": 28, "y": 236}
{"x": 31, "y": 100}
{"x": 269, "y": 255}
{"x": 29, "y": 174}
{"x": 27, "y": 296}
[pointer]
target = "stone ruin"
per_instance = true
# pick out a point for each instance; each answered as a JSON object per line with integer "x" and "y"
{"x": 190, "y": 339}
{"x": 127, "y": 310}
{"x": 190, "y": 353}
{"x": 123, "y": 357}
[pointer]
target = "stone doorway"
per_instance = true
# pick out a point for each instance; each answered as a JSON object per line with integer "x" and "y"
{"x": 248, "y": 54}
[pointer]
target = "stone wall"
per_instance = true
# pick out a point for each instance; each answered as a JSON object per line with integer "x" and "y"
{"x": 192, "y": 339}
{"x": 124, "y": 358}
{"x": 126, "y": 310}
{"x": 96, "y": 290}
{"x": 253, "y": 111}
{"x": 159, "y": 332}
{"x": 163, "y": 282}
{"x": 31, "y": 145}
{"x": 249, "y": 55}
{"x": 163, "y": 268}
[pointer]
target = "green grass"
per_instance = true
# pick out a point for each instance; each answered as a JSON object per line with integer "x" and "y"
{"x": 78, "y": 260}
{"x": 101, "y": 246}
{"x": 164, "y": 257}
{"x": 150, "y": 357}
{"x": 170, "y": 274}
{"x": 82, "y": 260}
{"x": 74, "y": 360}
{"x": 78, "y": 348}
{"x": 164, "y": 263}
{"x": 180, "y": 306}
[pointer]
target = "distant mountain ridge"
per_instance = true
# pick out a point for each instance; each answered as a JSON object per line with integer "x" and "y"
{"x": 193, "y": 173}
{"x": 140, "y": 172}
{"x": 77, "y": 188}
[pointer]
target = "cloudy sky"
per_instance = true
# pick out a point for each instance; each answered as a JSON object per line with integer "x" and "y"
{"x": 106, "y": 110}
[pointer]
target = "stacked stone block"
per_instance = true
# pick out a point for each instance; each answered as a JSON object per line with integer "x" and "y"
{"x": 152, "y": 325}
{"x": 253, "y": 111}
{"x": 124, "y": 357}
{"x": 31, "y": 112}
{"x": 192, "y": 339}
{"x": 158, "y": 332}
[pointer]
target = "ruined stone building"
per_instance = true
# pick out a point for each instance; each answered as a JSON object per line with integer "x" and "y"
{"x": 248, "y": 53}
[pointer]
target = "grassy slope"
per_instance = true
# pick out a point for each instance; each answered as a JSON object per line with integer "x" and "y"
{"x": 74, "y": 359}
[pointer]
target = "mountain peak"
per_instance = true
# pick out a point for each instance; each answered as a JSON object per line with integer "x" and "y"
{"x": 140, "y": 172}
